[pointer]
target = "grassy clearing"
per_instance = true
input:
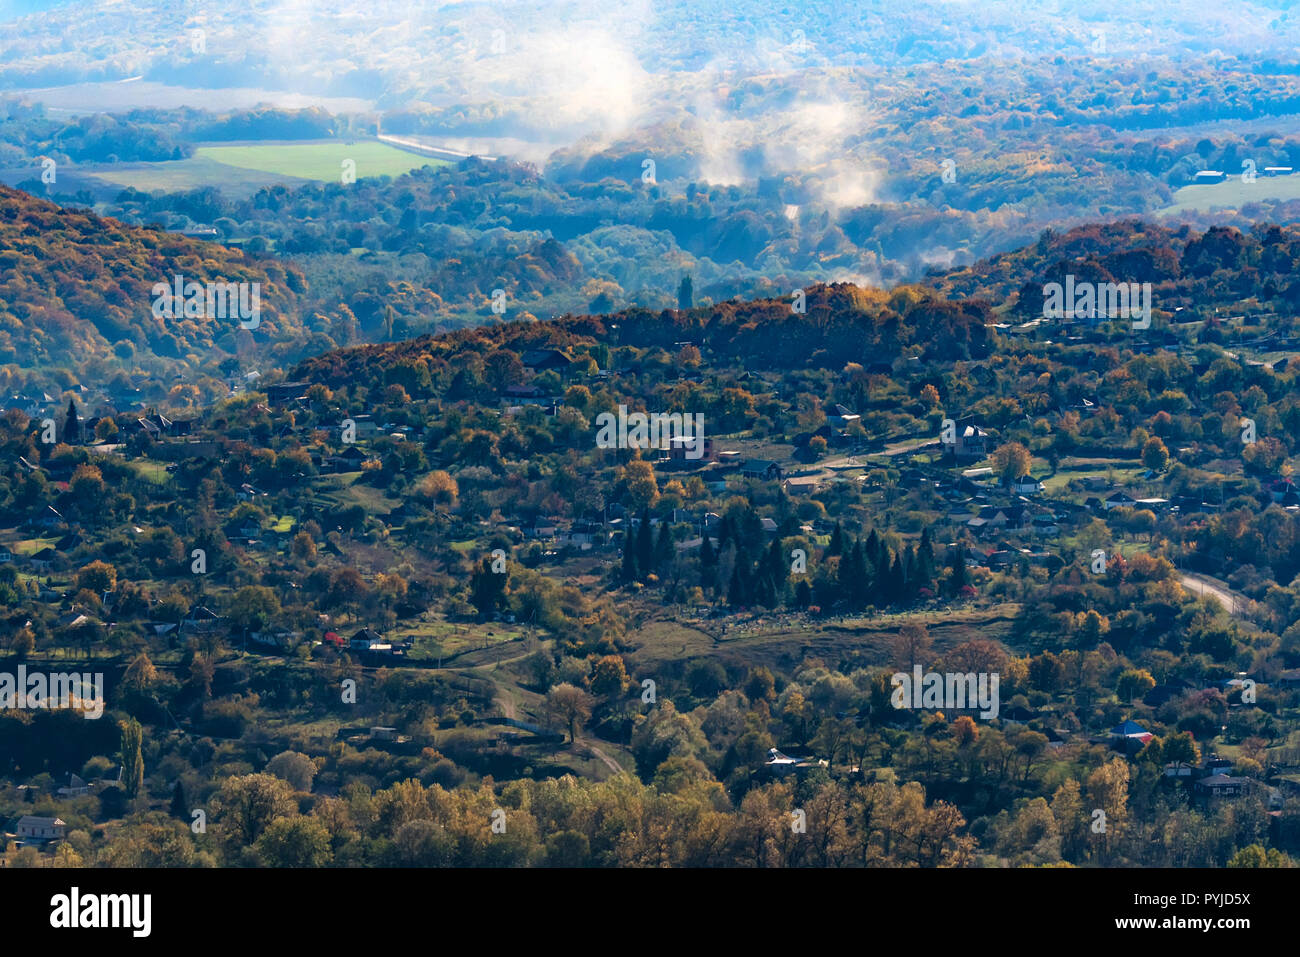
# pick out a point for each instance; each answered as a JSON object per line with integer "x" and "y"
{"x": 1234, "y": 193}
{"x": 319, "y": 160}
{"x": 351, "y": 491}
{"x": 30, "y": 546}
{"x": 152, "y": 472}
{"x": 194, "y": 173}
{"x": 441, "y": 638}
{"x": 782, "y": 642}
{"x": 1117, "y": 471}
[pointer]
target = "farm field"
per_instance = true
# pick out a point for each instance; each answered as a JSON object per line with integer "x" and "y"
{"x": 192, "y": 173}
{"x": 1232, "y": 192}
{"x": 320, "y": 160}
{"x": 242, "y": 169}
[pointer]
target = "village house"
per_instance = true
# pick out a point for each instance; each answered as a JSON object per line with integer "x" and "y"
{"x": 1118, "y": 499}
{"x": 202, "y": 619}
{"x": 76, "y": 787}
{"x": 1129, "y": 736}
{"x": 157, "y": 425}
{"x": 1045, "y": 525}
{"x": 992, "y": 517}
{"x": 782, "y": 765}
{"x": 525, "y": 393}
{"x": 247, "y": 493}
{"x": 1027, "y": 485}
{"x": 803, "y": 484}
{"x": 583, "y": 534}
{"x": 285, "y": 392}
{"x": 841, "y": 417}
{"x": 1222, "y": 786}
{"x": 1016, "y": 715}
{"x": 688, "y": 449}
{"x": 914, "y": 478}
{"x": 1289, "y": 678}
{"x": 762, "y": 469}
{"x": 283, "y": 640}
{"x": 1284, "y": 492}
{"x": 350, "y": 459}
{"x": 1215, "y": 765}
{"x": 40, "y": 830}
{"x": 542, "y": 359}
{"x": 971, "y": 443}
{"x": 369, "y": 640}
{"x": 48, "y": 517}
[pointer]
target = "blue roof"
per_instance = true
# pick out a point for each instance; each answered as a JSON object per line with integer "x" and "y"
{"x": 1129, "y": 727}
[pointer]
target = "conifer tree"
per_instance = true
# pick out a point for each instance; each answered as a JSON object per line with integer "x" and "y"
{"x": 836, "y": 546}
{"x": 132, "y": 759}
{"x": 178, "y": 807}
{"x": 708, "y": 565}
{"x": 71, "y": 426}
{"x": 645, "y": 548}
{"x": 736, "y": 590}
{"x": 686, "y": 293}
{"x": 925, "y": 560}
{"x": 629, "y": 570}
{"x": 663, "y": 547}
{"x": 960, "y": 574}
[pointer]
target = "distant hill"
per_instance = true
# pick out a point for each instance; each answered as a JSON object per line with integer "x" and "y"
{"x": 77, "y": 289}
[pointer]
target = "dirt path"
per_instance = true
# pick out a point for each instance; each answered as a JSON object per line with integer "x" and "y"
{"x": 506, "y": 699}
{"x": 609, "y": 762}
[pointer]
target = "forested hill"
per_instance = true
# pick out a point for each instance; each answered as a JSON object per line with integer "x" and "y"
{"x": 1221, "y": 266}
{"x": 76, "y": 288}
{"x": 840, "y": 323}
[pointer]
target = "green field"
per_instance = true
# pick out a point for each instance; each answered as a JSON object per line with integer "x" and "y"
{"x": 320, "y": 160}
{"x": 186, "y": 174}
{"x": 155, "y": 472}
{"x": 243, "y": 169}
{"x": 1234, "y": 193}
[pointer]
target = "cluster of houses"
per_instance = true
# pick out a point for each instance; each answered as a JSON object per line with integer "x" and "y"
{"x": 32, "y": 830}
{"x": 1211, "y": 778}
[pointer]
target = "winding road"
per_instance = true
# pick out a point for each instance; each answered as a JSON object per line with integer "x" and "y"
{"x": 1233, "y": 601}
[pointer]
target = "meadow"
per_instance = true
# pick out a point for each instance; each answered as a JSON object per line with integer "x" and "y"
{"x": 1234, "y": 194}
{"x": 319, "y": 160}
{"x": 243, "y": 169}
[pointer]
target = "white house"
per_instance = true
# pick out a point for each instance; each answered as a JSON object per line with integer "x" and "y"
{"x": 1118, "y": 499}
{"x": 369, "y": 640}
{"x": 38, "y": 830}
{"x": 842, "y": 417}
{"x": 1027, "y": 485}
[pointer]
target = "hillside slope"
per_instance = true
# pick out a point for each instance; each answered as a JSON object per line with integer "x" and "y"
{"x": 76, "y": 288}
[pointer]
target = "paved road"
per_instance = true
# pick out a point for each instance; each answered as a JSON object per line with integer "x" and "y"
{"x": 1220, "y": 590}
